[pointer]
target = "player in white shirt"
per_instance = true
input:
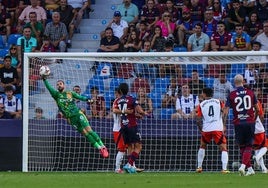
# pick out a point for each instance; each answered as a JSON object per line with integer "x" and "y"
{"x": 210, "y": 123}
{"x": 186, "y": 104}
{"x": 260, "y": 141}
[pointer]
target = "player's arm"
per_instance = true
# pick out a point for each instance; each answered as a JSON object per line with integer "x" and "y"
{"x": 139, "y": 109}
{"x": 225, "y": 114}
{"x": 257, "y": 111}
{"x": 81, "y": 98}
{"x": 51, "y": 90}
{"x": 199, "y": 121}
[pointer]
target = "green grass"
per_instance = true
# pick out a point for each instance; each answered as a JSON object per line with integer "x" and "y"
{"x": 141, "y": 180}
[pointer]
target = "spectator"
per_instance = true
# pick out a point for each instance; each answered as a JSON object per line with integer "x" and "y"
{"x": 186, "y": 104}
{"x": 133, "y": 43}
{"x": 158, "y": 41}
{"x": 249, "y": 5}
{"x": 221, "y": 39}
{"x": 11, "y": 8}
{"x": 67, "y": 16}
{"x": 12, "y": 103}
{"x": 173, "y": 92}
{"x": 140, "y": 82}
{"x": 251, "y": 75}
{"x": 129, "y": 12}
{"x": 210, "y": 24}
{"x": 219, "y": 12}
{"x": 236, "y": 15}
{"x": 24, "y": 16}
{"x": 169, "y": 68}
{"x": 185, "y": 27}
{"x": 36, "y": 28}
{"x": 240, "y": 40}
{"x": 167, "y": 26}
{"x": 26, "y": 43}
{"x": 97, "y": 107}
{"x": 150, "y": 14}
{"x": 145, "y": 102}
{"x": 222, "y": 87}
{"x": 197, "y": 11}
{"x": 263, "y": 37}
{"x": 81, "y": 7}
{"x": 39, "y": 113}
{"x": 196, "y": 85}
{"x": 144, "y": 32}
{"x": 198, "y": 41}
{"x": 33, "y": 78}
{"x": 110, "y": 42}
{"x": 119, "y": 27}
{"x": 262, "y": 98}
{"x": 3, "y": 113}
{"x": 56, "y": 32}
{"x": 262, "y": 8}
{"x": 253, "y": 27}
{"x": 13, "y": 52}
{"x": 173, "y": 11}
{"x": 9, "y": 76}
{"x": 5, "y": 23}
{"x": 47, "y": 46}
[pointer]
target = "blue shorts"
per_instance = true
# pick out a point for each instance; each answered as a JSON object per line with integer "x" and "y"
{"x": 131, "y": 135}
{"x": 244, "y": 134}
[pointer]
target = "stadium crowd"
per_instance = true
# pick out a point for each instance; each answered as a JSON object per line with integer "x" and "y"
{"x": 140, "y": 26}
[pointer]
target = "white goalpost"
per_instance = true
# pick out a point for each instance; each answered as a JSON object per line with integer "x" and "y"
{"x": 51, "y": 144}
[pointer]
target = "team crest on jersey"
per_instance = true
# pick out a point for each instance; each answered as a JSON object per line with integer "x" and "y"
{"x": 69, "y": 95}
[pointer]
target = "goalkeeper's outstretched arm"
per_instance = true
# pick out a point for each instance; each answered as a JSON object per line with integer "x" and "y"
{"x": 51, "y": 90}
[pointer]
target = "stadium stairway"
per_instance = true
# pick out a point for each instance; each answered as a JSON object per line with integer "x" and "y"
{"x": 88, "y": 39}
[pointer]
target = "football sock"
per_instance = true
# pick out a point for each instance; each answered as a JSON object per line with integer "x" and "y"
{"x": 132, "y": 157}
{"x": 94, "y": 139}
{"x": 224, "y": 159}
{"x": 200, "y": 157}
{"x": 261, "y": 162}
{"x": 261, "y": 152}
{"x": 247, "y": 156}
{"x": 118, "y": 159}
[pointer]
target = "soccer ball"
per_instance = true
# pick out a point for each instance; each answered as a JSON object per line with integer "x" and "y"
{"x": 44, "y": 71}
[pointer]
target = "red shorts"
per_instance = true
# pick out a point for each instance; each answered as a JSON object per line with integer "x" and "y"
{"x": 260, "y": 141}
{"x": 121, "y": 146}
{"x": 217, "y": 136}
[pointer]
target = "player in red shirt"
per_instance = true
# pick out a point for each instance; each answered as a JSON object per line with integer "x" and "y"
{"x": 210, "y": 123}
{"x": 127, "y": 106}
{"x": 245, "y": 110}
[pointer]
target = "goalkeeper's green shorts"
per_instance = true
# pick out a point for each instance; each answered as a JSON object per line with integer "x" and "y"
{"x": 79, "y": 121}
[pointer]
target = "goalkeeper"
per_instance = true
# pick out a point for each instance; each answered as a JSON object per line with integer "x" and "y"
{"x": 66, "y": 103}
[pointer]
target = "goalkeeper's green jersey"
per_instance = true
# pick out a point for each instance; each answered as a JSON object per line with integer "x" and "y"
{"x": 65, "y": 100}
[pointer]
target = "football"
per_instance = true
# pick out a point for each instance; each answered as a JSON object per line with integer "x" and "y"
{"x": 44, "y": 71}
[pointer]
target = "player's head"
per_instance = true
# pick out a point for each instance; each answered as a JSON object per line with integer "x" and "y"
{"x": 123, "y": 88}
{"x": 77, "y": 89}
{"x": 238, "y": 80}
{"x": 60, "y": 85}
{"x": 208, "y": 92}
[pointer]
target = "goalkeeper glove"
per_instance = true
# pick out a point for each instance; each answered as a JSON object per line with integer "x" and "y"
{"x": 90, "y": 100}
{"x": 44, "y": 77}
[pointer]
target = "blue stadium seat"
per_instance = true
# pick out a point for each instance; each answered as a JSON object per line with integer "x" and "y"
{"x": 161, "y": 84}
{"x": 12, "y": 39}
{"x": 191, "y": 67}
{"x": 165, "y": 113}
{"x": 180, "y": 49}
{"x": 237, "y": 69}
{"x": 115, "y": 82}
{"x": 208, "y": 81}
{"x": 156, "y": 98}
{"x": 3, "y": 52}
{"x": 96, "y": 82}
{"x": 2, "y": 45}
{"x": 108, "y": 96}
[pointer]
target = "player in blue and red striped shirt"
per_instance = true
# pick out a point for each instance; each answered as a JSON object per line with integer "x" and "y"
{"x": 245, "y": 110}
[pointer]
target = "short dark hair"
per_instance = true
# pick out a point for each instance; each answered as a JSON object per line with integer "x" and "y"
{"x": 39, "y": 110}
{"x": 9, "y": 88}
{"x": 123, "y": 88}
{"x": 7, "y": 57}
{"x": 208, "y": 91}
{"x": 256, "y": 43}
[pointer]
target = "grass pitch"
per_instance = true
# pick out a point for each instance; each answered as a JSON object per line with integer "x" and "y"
{"x": 141, "y": 180}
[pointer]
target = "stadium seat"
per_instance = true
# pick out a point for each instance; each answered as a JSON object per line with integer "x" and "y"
{"x": 161, "y": 84}
{"x": 96, "y": 82}
{"x": 108, "y": 96}
{"x": 115, "y": 82}
{"x": 191, "y": 67}
{"x": 12, "y": 39}
{"x": 2, "y": 45}
{"x": 180, "y": 49}
{"x": 140, "y": 83}
{"x": 156, "y": 98}
{"x": 208, "y": 81}
{"x": 125, "y": 70}
{"x": 165, "y": 113}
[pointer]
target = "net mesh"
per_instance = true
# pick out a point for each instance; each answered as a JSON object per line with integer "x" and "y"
{"x": 170, "y": 143}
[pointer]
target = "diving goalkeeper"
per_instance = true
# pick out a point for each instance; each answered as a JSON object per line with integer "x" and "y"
{"x": 66, "y": 103}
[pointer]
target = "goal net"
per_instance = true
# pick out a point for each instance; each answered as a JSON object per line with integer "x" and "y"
{"x": 170, "y": 142}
